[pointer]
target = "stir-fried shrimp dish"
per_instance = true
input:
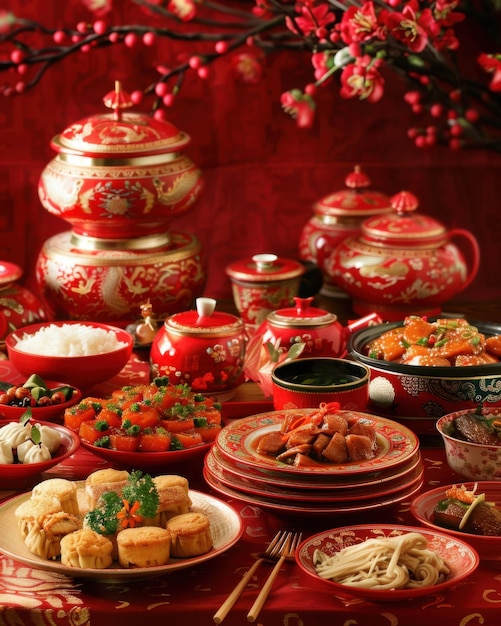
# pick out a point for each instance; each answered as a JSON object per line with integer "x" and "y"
{"x": 444, "y": 342}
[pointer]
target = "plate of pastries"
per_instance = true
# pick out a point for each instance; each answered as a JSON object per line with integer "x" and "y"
{"x": 116, "y": 525}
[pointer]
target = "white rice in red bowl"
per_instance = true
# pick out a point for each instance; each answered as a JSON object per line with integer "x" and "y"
{"x": 77, "y": 352}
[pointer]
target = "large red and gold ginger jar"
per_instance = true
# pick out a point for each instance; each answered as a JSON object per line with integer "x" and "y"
{"x": 120, "y": 174}
{"x": 337, "y": 216}
{"x": 404, "y": 263}
{"x": 88, "y": 279}
{"x": 18, "y": 305}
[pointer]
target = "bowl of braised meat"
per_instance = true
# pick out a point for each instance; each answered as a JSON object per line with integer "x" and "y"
{"x": 426, "y": 368}
{"x": 470, "y": 510}
{"x": 472, "y": 440}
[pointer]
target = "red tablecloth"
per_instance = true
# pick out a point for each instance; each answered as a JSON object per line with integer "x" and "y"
{"x": 30, "y": 596}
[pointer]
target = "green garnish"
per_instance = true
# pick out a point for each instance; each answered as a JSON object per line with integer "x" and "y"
{"x": 161, "y": 381}
{"x": 175, "y": 444}
{"x": 200, "y": 422}
{"x": 103, "y": 519}
{"x": 103, "y": 442}
{"x": 25, "y": 417}
{"x": 141, "y": 488}
{"x": 133, "y": 429}
{"x": 101, "y": 425}
{"x": 36, "y": 435}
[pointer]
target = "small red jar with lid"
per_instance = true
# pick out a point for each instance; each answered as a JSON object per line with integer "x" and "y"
{"x": 263, "y": 283}
{"x": 202, "y": 348}
{"x": 336, "y": 216}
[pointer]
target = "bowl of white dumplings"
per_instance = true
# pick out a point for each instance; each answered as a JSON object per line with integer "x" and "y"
{"x": 29, "y": 447}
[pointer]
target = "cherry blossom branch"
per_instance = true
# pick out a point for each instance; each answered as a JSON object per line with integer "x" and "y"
{"x": 352, "y": 44}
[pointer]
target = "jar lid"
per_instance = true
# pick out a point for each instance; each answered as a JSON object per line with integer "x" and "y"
{"x": 9, "y": 273}
{"x": 205, "y": 321}
{"x": 265, "y": 268}
{"x": 302, "y": 314}
{"x": 403, "y": 226}
{"x": 119, "y": 133}
{"x": 355, "y": 201}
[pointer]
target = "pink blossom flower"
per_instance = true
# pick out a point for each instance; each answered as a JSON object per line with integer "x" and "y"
{"x": 491, "y": 63}
{"x": 360, "y": 24}
{"x": 300, "y": 106}
{"x": 98, "y": 7}
{"x": 6, "y": 20}
{"x": 310, "y": 18}
{"x": 410, "y": 28}
{"x": 362, "y": 80}
{"x": 323, "y": 62}
{"x": 247, "y": 67}
{"x": 185, "y": 10}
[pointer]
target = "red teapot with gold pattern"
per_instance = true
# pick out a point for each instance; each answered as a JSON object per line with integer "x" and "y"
{"x": 403, "y": 263}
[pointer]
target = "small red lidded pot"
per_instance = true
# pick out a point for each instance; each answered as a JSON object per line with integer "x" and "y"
{"x": 337, "y": 216}
{"x": 202, "y": 348}
{"x": 263, "y": 284}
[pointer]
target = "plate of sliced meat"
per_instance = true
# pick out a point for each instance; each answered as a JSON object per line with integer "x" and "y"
{"x": 310, "y": 442}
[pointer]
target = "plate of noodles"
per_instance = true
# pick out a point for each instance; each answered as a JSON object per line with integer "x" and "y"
{"x": 385, "y": 563}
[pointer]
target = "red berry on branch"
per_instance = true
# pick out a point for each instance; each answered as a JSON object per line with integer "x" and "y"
{"x": 159, "y": 114}
{"x": 114, "y": 37}
{"x": 194, "y": 62}
{"x": 16, "y": 56}
{"x": 100, "y": 27}
{"x": 149, "y": 38}
{"x": 22, "y": 68}
{"x": 168, "y": 99}
{"x": 161, "y": 89}
{"x": 310, "y": 89}
{"x": 455, "y": 95}
{"x": 472, "y": 115}
{"x": 130, "y": 40}
{"x": 417, "y": 108}
{"x": 412, "y": 97}
{"x": 221, "y": 47}
{"x": 59, "y": 36}
{"x": 136, "y": 97}
{"x": 456, "y": 130}
{"x": 82, "y": 27}
{"x": 431, "y": 140}
{"x": 203, "y": 72}
{"x": 455, "y": 144}
{"x": 436, "y": 110}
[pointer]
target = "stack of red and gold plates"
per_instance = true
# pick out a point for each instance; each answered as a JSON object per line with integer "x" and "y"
{"x": 236, "y": 469}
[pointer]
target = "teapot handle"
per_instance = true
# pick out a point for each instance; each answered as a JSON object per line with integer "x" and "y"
{"x": 368, "y": 320}
{"x": 475, "y": 266}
